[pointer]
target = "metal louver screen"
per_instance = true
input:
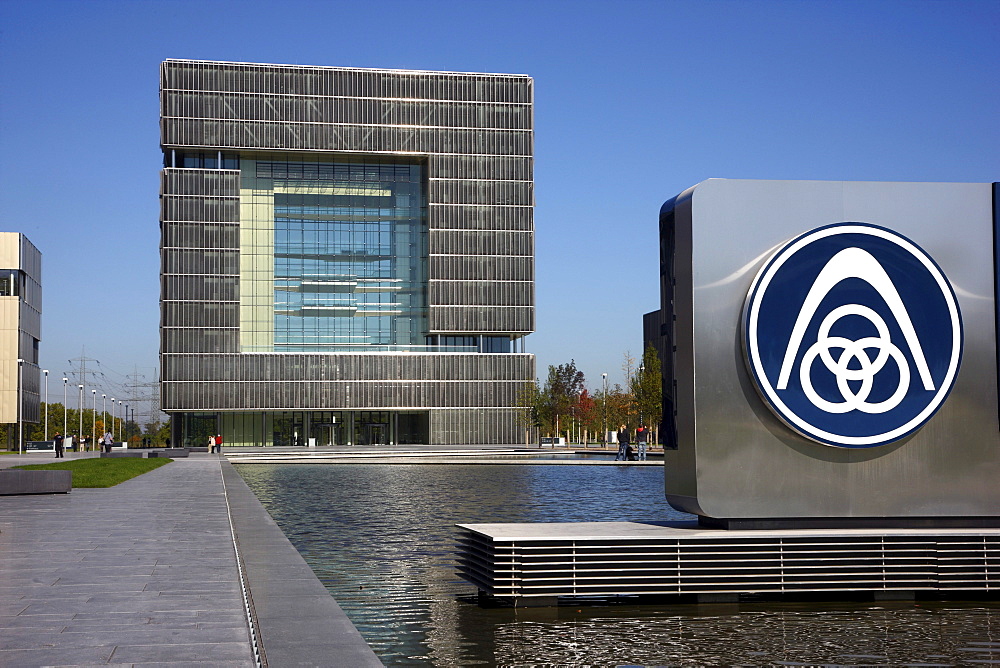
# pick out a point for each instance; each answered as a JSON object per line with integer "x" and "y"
{"x": 717, "y": 562}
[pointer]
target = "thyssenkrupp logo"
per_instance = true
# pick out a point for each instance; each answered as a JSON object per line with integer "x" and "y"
{"x": 852, "y": 335}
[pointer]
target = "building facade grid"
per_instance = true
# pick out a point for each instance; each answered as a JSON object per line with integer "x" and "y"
{"x": 284, "y": 169}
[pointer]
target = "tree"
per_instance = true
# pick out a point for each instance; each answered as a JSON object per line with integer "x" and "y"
{"x": 562, "y": 391}
{"x": 531, "y": 406}
{"x": 647, "y": 388}
{"x": 589, "y": 415}
{"x": 620, "y": 407}
{"x": 162, "y": 433}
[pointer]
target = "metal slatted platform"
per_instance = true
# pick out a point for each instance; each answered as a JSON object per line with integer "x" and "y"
{"x": 606, "y": 559}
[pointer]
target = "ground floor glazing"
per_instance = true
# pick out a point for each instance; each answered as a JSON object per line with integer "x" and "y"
{"x": 301, "y": 428}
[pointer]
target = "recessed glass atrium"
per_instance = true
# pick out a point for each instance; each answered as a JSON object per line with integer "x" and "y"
{"x": 333, "y": 256}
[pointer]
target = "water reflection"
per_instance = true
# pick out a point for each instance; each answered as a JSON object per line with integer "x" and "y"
{"x": 381, "y": 538}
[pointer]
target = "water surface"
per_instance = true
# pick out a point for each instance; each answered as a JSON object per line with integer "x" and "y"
{"x": 381, "y": 538}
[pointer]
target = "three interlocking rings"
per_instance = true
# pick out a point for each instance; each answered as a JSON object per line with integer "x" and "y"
{"x": 854, "y": 350}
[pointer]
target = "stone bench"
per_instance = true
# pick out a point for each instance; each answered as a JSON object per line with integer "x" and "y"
{"x": 173, "y": 453}
{"x": 126, "y": 453}
{"x": 15, "y": 481}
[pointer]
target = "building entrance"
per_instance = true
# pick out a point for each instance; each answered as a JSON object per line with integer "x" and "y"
{"x": 305, "y": 428}
{"x": 328, "y": 433}
{"x": 373, "y": 434}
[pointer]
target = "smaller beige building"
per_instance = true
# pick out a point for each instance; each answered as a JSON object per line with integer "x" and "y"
{"x": 20, "y": 327}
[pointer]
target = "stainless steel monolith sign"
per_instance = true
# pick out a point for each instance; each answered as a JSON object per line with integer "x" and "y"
{"x": 833, "y": 350}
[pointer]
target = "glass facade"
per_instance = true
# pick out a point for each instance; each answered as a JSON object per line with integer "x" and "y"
{"x": 347, "y": 255}
{"x": 348, "y": 242}
{"x": 307, "y": 428}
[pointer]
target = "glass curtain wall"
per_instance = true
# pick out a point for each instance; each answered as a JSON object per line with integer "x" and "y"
{"x": 305, "y": 428}
{"x": 333, "y": 256}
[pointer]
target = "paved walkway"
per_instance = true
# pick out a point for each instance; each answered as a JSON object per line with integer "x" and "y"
{"x": 145, "y": 574}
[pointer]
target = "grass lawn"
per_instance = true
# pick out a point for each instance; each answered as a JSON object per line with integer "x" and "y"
{"x": 102, "y": 472}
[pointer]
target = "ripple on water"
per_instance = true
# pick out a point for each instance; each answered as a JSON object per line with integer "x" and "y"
{"x": 381, "y": 539}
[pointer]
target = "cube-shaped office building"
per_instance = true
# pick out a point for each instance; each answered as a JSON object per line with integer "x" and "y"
{"x": 347, "y": 254}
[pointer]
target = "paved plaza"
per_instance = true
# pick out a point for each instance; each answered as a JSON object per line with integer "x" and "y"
{"x": 146, "y": 573}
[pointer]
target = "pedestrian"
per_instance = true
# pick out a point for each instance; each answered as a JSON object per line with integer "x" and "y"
{"x": 75, "y": 442}
{"x": 623, "y": 445}
{"x": 641, "y": 436}
{"x": 60, "y": 447}
{"x": 108, "y": 440}
{"x": 211, "y": 443}
{"x": 218, "y": 443}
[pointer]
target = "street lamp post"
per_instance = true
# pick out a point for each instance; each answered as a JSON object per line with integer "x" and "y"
{"x": 93, "y": 418}
{"x": 64, "y": 427}
{"x": 104, "y": 411}
{"x": 20, "y": 423}
{"x": 639, "y": 382}
{"x": 120, "y": 402}
{"x": 112, "y": 429}
{"x": 79, "y": 434}
{"x": 46, "y": 372}
{"x": 604, "y": 377}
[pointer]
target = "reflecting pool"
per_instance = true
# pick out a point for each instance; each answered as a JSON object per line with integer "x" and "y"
{"x": 382, "y": 539}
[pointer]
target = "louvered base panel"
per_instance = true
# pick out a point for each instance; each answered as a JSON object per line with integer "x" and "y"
{"x": 606, "y": 559}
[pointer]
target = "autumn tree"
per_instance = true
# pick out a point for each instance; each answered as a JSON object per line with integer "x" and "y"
{"x": 620, "y": 407}
{"x": 588, "y": 412}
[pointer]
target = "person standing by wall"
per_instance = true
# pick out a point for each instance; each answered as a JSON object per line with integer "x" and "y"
{"x": 60, "y": 446}
{"x": 641, "y": 436}
{"x": 623, "y": 443}
{"x": 108, "y": 440}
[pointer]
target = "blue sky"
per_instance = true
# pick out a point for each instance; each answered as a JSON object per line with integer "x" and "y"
{"x": 635, "y": 101}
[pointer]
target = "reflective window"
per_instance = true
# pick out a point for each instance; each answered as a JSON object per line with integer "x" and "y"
{"x": 10, "y": 282}
{"x": 201, "y": 160}
{"x": 496, "y": 344}
{"x": 347, "y": 246}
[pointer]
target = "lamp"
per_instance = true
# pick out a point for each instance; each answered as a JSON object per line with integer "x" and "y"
{"x": 604, "y": 376}
{"x": 46, "y": 436}
{"x": 20, "y": 422}
{"x": 93, "y": 418}
{"x": 64, "y": 427}
{"x": 79, "y": 434}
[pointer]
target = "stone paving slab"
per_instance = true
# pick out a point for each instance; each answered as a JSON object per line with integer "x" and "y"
{"x": 145, "y": 574}
{"x": 82, "y": 575}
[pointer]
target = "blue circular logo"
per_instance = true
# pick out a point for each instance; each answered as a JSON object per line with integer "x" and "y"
{"x": 852, "y": 335}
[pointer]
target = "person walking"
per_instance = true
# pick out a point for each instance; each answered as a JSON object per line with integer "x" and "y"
{"x": 211, "y": 444}
{"x": 60, "y": 446}
{"x": 218, "y": 443}
{"x": 641, "y": 436}
{"x": 623, "y": 447}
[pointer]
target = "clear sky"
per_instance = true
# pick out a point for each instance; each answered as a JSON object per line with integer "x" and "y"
{"x": 635, "y": 101}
